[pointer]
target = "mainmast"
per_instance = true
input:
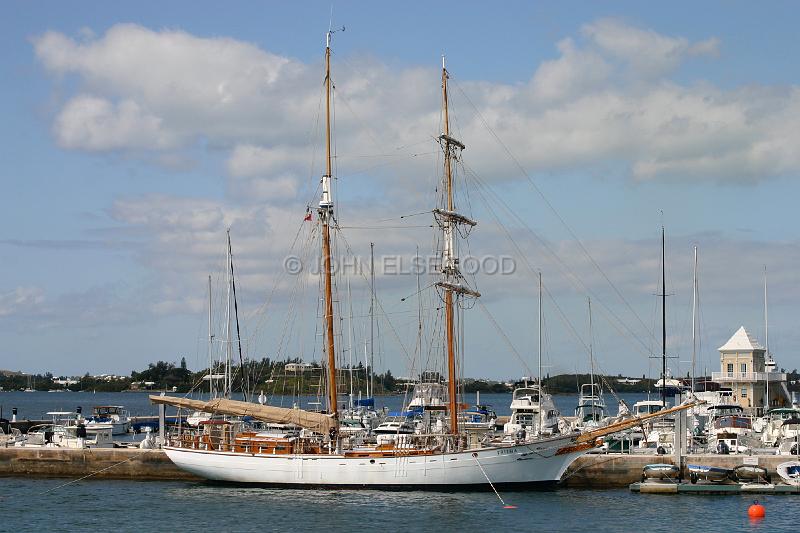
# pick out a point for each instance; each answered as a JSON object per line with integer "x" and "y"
{"x": 450, "y": 276}
{"x": 326, "y": 217}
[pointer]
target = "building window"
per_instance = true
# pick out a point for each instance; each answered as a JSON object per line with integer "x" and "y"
{"x": 743, "y": 368}
{"x": 744, "y": 393}
{"x": 730, "y": 369}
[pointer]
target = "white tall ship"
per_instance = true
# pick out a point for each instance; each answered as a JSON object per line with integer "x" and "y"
{"x": 322, "y": 455}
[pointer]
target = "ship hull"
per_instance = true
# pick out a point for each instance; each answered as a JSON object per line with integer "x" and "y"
{"x": 538, "y": 465}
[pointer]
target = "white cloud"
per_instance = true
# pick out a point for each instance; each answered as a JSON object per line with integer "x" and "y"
{"x": 92, "y": 123}
{"x": 20, "y": 301}
{"x": 648, "y": 52}
{"x": 606, "y": 103}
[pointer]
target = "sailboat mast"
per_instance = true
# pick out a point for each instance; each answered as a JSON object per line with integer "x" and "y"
{"x": 663, "y": 320}
{"x": 228, "y": 341}
{"x": 591, "y": 355}
{"x": 694, "y": 319}
{"x": 766, "y": 341}
{"x": 325, "y": 216}
{"x": 350, "y": 341}
{"x": 541, "y": 390}
{"x": 449, "y": 267}
{"x": 210, "y": 347}
{"x": 371, "y": 370}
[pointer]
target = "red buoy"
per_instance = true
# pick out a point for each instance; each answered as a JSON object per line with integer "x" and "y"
{"x": 756, "y": 510}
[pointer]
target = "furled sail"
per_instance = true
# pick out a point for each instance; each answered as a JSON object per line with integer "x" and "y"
{"x": 279, "y": 415}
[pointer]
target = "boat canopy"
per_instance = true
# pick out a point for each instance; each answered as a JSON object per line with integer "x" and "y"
{"x": 267, "y": 413}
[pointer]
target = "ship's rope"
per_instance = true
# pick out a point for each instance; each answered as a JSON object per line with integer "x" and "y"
{"x": 137, "y": 456}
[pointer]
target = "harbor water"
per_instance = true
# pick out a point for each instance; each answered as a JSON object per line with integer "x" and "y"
{"x": 142, "y": 506}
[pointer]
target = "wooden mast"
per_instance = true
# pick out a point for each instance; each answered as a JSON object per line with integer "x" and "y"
{"x": 449, "y": 265}
{"x": 325, "y": 215}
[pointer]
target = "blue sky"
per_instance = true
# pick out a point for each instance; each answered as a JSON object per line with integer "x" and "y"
{"x": 133, "y": 135}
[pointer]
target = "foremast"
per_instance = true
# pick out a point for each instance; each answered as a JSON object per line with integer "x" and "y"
{"x": 326, "y": 218}
{"x": 450, "y": 278}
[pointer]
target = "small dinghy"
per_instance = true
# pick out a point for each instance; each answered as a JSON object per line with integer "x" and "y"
{"x": 790, "y": 472}
{"x": 712, "y": 474}
{"x": 751, "y": 474}
{"x": 660, "y": 472}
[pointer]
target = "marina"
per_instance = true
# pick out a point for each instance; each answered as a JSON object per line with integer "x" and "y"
{"x": 281, "y": 267}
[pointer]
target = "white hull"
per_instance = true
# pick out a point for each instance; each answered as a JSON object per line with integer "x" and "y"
{"x": 534, "y": 463}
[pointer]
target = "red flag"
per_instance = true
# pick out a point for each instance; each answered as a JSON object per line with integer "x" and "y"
{"x": 308, "y": 217}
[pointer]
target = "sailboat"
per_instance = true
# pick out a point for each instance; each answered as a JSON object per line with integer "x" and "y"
{"x": 320, "y": 454}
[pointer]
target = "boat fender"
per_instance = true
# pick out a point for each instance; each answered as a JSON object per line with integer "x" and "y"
{"x": 661, "y": 450}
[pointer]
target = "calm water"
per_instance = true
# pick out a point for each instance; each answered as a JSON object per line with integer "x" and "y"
{"x": 170, "y": 506}
{"x": 140, "y": 506}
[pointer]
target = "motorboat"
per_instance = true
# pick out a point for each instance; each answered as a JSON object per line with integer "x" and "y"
{"x": 789, "y": 472}
{"x": 114, "y": 415}
{"x": 66, "y": 431}
{"x": 529, "y": 405}
{"x": 393, "y": 430}
{"x": 730, "y": 430}
{"x": 591, "y": 408}
{"x": 789, "y": 437}
{"x": 776, "y": 428}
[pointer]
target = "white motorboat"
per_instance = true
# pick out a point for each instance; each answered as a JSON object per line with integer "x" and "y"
{"x": 730, "y": 430}
{"x": 774, "y": 431}
{"x": 66, "y": 431}
{"x": 531, "y": 407}
{"x": 591, "y": 408}
{"x": 789, "y": 472}
{"x": 114, "y": 416}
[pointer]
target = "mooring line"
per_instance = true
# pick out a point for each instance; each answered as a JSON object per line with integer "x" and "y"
{"x": 505, "y": 505}
{"x": 93, "y": 473}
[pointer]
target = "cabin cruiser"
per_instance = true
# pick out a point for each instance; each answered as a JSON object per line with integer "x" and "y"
{"x": 480, "y": 417}
{"x": 66, "y": 431}
{"x": 773, "y": 432}
{"x": 529, "y": 406}
{"x": 789, "y": 437}
{"x": 114, "y": 415}
{"x": 730, "y": 431}
{"x": 591, "y": 409}
{"x": 393, "y": 430}
{"x": 428, "y": 396}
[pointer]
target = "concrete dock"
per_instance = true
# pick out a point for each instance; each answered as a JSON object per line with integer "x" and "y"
{"x": 596, "y": 471}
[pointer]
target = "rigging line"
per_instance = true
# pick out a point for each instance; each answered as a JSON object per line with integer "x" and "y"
{"x": 552, "y": 208}
{"x": 386, "y": 227}
{"x": 576, "y": 282}
{"x": 525, "y": 260}
{"x": 505, "y": 338}
{"x": 367, "y": 156}
{"x": 377, "y": 300}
